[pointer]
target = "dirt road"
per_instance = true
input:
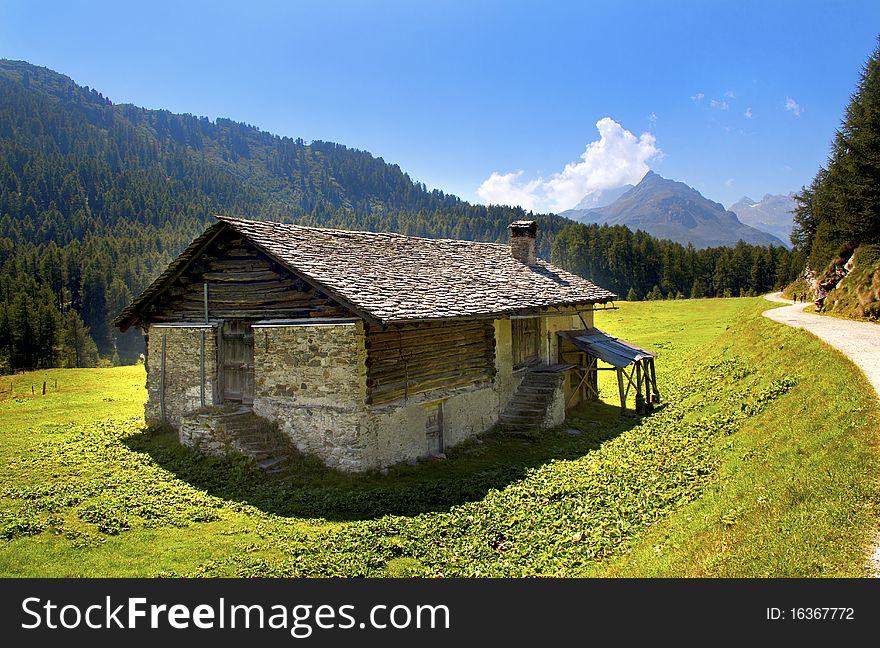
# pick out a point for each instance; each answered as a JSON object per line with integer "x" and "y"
{"x": 859, "y": 341}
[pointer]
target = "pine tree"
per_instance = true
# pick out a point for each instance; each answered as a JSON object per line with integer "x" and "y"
{"x": 655, "y": 295}
{"x": 79, "y": 348}
{"x": 5, "y": 340}
{"x": 841, "y": 207}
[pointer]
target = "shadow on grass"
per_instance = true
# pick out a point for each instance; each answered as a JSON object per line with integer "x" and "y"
{"x": 311, "y": 490}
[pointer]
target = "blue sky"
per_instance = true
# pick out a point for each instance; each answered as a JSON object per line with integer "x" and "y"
{"x": 455, "y": 92}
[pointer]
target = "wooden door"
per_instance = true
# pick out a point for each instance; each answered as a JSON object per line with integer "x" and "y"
{"x": 526, "y": 340}
{"x": 237, "y": 349}
{"x": 434, "y": 429}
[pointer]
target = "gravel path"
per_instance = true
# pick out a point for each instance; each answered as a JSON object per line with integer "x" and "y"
{"x": 859, "y": 341}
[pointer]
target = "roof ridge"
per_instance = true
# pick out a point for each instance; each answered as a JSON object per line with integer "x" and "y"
{"x": 231, "y": 220}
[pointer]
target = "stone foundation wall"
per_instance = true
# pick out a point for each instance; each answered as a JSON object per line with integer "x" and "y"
{"x": 556, "y": 410}
{"x": 207, "y": 435}
{"x": 311, "y": 380}
{"x": 401, "y": 429}
{"x": 182, "y": 372}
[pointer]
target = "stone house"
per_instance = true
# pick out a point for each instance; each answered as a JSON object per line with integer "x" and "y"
{"x": 365, "y": 348}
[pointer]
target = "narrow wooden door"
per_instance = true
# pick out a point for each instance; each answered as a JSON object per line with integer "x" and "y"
{"x": 237, "y": 349}
{"x": 526, "y": 340}
{"x": 434, "y": 429}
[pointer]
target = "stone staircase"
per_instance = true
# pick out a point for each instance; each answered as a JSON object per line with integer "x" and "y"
{"x": 242, "y": 431}
{"x": 527, "y": 410}
{"x": 255, "y": 437}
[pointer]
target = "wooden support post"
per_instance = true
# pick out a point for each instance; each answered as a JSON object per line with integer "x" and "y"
{"x": 620, "y": 389}
{"x": 656, "y": 394}
{"x": 44, "y": 388}
{"x": 640, "y": 399}
{"x": 549, "y": 338}
{"x": 205, "y": 300}
{"x": 162, "y": 381}
{"x": 202, "y": 368}
{"x": 594, "y": 376}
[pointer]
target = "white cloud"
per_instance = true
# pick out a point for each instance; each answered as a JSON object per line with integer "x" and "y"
{"x": 748, "y": 113}
{"x": 719, "y": 105}
{"x": 728, "y": 182}
{"x": 793, "y": 106}
{"x": 617, "y": 158}
{"x": 507, "y": 189}
{"x": 698, "y": 97}
{"x": 729, "y": 94}
{"x": 652, "y": 119}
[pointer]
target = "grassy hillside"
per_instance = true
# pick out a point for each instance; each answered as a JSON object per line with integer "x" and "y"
{"x": 858, "y": 295}
{"x": 751, "y": 469}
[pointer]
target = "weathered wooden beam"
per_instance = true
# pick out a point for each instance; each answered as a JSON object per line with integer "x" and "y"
{"x": 446, "y": 382}
{"x": 238, "y": 276}
{"x": 394, "y": 334}
{"x": 428, "y": 338}
{"x": 390, "y": 358}
{"x": 223, "y": 264}
{"x": 427, "y": 346}
{"x": 640, "y": 399}
{"x": 656, "y": 391}
{"x": 415, "y": 373}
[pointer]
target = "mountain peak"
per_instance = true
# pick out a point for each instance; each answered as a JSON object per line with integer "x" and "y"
{"x": 602, "y": 197}
{"x": 772, "y": 214}
{"x": 674, "y": 210}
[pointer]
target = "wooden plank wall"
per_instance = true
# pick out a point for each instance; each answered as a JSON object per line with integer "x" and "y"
{"x": 243, "y": 283}
{"x": 410, "y": 359}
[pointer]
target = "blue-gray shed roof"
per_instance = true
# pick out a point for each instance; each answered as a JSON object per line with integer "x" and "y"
{"x": 607, "y": 348}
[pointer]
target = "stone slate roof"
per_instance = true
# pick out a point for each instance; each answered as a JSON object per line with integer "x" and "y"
{"x": 389, "y": 278}
{"x": 396, "y": 278}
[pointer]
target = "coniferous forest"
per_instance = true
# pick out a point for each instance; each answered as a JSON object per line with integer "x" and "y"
{"x": 840, "y": 209}
{"x": 96, "y": 199}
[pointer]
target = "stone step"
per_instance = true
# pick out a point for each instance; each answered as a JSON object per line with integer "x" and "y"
{"x": 531, "y": 389}
{"x": 518, "y": 409}
{"x": 542, "y": 381}
{"x": 528, "y": 407}
{"x": 532, "y": 421}
{"x": 256, "y": 452}
{"x": 519, "y": 427}
{"x": 272, "y": 462}
{"x": 241, "y": 426}
{"x": 530, "y": 397}
{"x": 253, "y": 435}
{"x": 520, "y": 406}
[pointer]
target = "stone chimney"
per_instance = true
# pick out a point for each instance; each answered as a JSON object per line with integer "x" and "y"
{"x": 522, "y": 241}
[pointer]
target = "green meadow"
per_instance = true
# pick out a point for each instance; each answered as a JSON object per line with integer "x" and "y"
{"x": 762, "y": 461}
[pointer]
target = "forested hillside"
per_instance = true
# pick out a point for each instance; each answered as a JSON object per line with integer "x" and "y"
{"x": 841, "y": 208}
{"x": 837, "y": 217}
{"x": 96, "y": 199}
